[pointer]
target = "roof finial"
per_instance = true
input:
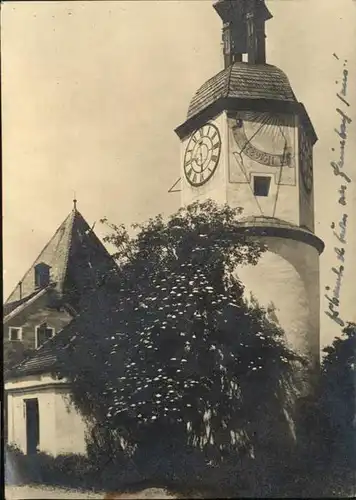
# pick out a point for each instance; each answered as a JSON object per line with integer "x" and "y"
{"x": 74, "y": 202}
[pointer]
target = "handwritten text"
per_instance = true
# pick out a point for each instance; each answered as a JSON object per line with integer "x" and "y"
{"x": 340, "y": 228}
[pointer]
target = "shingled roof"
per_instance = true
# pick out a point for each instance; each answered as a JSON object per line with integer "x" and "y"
{"x": 43, "y": 359}
{"x": 77, "y": 261}
{"x": 244, "y": 81}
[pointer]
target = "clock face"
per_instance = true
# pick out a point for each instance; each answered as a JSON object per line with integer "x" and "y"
{"x": 202, "y": 155}
{"x": 306, "y": 161}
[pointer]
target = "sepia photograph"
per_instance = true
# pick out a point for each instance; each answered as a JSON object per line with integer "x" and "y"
{"x": 179, "y": 249}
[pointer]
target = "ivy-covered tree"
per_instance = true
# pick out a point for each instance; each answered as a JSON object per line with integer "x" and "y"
{"x": 170, "y": 356}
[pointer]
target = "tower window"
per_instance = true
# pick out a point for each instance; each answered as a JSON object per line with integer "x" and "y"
{"x": 261, "y": 186}
{"x": 42, "y": 275}
{"x": 15, "y": 333}
{"x": 43, "y": 333}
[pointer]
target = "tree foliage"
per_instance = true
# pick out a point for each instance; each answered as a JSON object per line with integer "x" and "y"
{"x": 169, "y": 350}
{"x": 338, "y": 404}
{"x": 327, "y": 437}
{"x": 338, "y": 392}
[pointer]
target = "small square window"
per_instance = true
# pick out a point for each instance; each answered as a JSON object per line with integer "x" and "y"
{"x": 15, "y": 333}
{"x": 261, "y": 186}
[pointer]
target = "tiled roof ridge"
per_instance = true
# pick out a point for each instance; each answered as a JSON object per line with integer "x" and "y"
{"x": 89, "y": 235}
{"x": 72, "y": 217}
{"x": 228, "y": 80}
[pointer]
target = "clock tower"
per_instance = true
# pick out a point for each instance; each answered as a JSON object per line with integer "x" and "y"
{"x": 248, "y": 142}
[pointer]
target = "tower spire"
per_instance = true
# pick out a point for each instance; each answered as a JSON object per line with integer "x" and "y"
{"x": 243, "y": 30}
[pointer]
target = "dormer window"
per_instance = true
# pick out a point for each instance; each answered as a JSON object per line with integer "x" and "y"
{"x": 42, "y": 275}
{"x": 43, "y": 333}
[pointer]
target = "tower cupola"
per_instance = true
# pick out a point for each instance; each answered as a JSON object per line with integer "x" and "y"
{"x": 243, "y": 30}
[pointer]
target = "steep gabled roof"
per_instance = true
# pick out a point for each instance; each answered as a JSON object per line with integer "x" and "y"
{"x": 77, "y": 260}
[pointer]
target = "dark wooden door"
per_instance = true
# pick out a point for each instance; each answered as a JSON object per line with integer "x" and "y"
{"x": 32, "y": 425}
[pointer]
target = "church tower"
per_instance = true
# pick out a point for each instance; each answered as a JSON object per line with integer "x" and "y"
{"x": 248, "y": 142}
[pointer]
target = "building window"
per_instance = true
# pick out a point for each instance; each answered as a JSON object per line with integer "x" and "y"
{"x": 42, "y": 275}
{"x": 15, "y": 333}
{"x": 43, "y": 333}
{"x": 261, "y": 186}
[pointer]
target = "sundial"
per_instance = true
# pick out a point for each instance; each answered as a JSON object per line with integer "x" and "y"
{"x": 264, "y": 138}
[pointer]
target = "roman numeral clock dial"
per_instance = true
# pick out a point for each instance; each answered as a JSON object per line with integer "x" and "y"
{"x": 202, "y": 155}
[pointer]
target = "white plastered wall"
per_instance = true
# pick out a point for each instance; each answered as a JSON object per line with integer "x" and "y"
{"x": 287, "y": 275}
{"x": 62, "y": 429}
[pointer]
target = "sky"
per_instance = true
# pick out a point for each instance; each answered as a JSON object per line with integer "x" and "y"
{"x": 92, "y": 93}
